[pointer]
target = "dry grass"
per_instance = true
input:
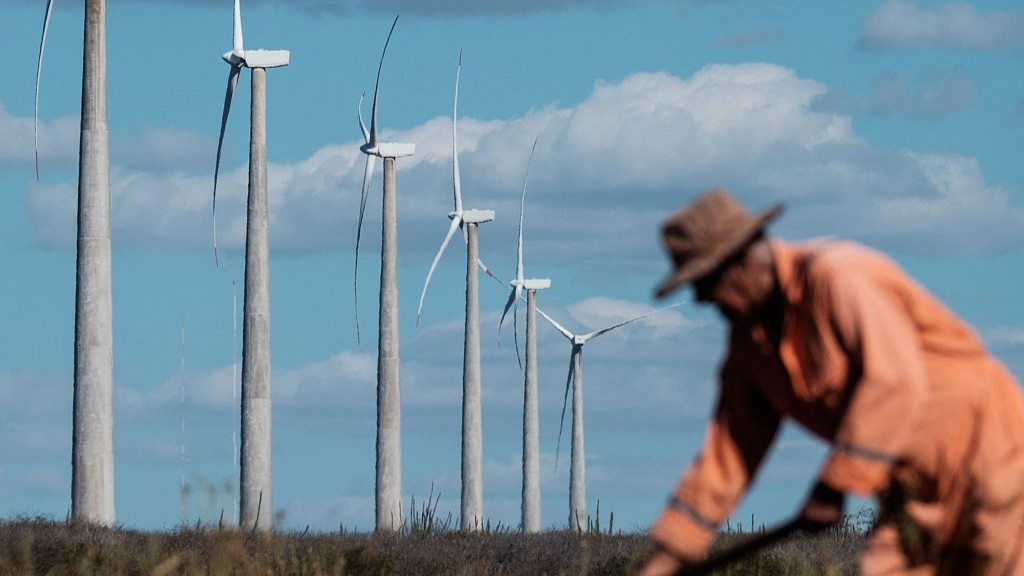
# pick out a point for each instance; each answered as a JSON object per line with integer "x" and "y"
{"x": 40, "y": 546}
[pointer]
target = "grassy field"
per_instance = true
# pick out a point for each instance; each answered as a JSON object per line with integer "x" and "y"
{"x": 39, "y": 546}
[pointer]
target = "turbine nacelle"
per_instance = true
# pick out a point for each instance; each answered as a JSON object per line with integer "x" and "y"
{"x": 473, "y": 216}
{"x": 257, "y": 58}
{"x": 531, "y": 283}
{"x": 388, "y": 150}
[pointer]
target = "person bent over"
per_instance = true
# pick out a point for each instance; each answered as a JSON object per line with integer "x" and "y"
{"x": 839, "y": 338}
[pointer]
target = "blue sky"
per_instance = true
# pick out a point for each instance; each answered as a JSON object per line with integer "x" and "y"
{"x": 894, "y": 122}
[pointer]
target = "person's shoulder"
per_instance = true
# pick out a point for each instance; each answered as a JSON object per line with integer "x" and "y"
{"x": 830, "y": 256}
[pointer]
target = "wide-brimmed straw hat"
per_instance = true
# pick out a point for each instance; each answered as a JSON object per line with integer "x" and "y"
{"x": 707, "y": 232}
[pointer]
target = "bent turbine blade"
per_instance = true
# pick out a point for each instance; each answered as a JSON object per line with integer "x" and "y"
{"x": 456, "y": 222}
{"x": 565, "y": 401}
{"x": 373, "y": 114}
{"x": 232, "y": 82}
{"x": 362, "y": 125}
{"x": 522, "y": 209}
{"x": 39, "y": 73}
{"x": 511, "y": 299}
{"x": 367, "y": 176}
{"x": 515, "y": 327}
{"x": 457, "y": 175}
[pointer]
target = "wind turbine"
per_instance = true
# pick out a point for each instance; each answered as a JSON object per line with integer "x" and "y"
{"x": 388, "y": 493}
{"x": 531, "y": 426}
{"x": 577, "y": 472}
{"x": 519, "y": 283}
{"x": 255, "y": 496}
{"x": 472, "y": 510}
{"x": 92, "y": 444}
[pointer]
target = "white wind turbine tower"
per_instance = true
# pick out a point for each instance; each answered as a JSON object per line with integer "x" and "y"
{"x": 92, "y": 451}
{"x": 472, "y": 509}
{"x": 531, "y": 426}
{"x": 388, "y": 492}
{"x": 577, "y": 472}
{"x": 255, "y": 496}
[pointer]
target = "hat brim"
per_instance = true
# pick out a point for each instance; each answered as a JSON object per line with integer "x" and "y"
{"x": 699, "y": 267}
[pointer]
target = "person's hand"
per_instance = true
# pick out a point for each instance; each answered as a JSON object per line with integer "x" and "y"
{"x": 823, "y": 509}
{"x": 660, "y": 563}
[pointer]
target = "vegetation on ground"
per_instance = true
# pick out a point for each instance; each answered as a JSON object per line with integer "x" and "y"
{"x": 42, "y": 546}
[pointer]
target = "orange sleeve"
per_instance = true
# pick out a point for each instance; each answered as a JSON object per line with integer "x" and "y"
{"x": 887, "y": 381}
{"x": 737, "y": 438}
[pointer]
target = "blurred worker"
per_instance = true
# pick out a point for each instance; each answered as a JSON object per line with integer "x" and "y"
{"x": 840, "y": 339}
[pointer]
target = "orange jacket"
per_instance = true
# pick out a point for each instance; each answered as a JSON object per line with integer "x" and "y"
{"x": 868, "y": 360}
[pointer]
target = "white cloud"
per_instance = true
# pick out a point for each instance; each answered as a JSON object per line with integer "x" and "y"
{"x": 606, "y": 172}
{"x": 959, "y": 199}
{"x": 932, "y": 96}
{"x": 58, "y": 141}
{"x": 346, "y": 378}
{"x": 164, "y": 149}
{"x": 906, "y": 24}
{"x": 1005, "y": 336}
{"x": 601, "y": 312}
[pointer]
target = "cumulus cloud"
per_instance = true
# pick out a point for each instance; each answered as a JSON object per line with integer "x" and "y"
{"x": 599, "y": 312}
{"x": 164, "y": 149}
{"x": 58, "y": 141}
{"x": 934, "y": 95}
{"x": 898, "y": 24}
{"x": 605, "y": 171}
{"x": 346, "y": 378}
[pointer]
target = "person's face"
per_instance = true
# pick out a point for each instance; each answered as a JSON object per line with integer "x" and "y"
{"x": 737, "y": 287}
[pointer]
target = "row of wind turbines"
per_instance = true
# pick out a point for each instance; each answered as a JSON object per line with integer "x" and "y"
{"x": 92, "y": 452}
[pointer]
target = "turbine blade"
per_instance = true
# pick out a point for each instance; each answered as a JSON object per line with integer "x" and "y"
{"x": 457, "y": 175}
{"x": 620, "y": 324}
{"x": 522, "y": 209}
{"x": 487, "y": 271}
{"x": 515, "y": 328}
{"x": 565, "y": 400}
{"x": 232, "y": 82}
{"x": 367, "y": 176}
{"x": 236, "y": 35}
{"x": 373, "y": 114}
{"x": 515, "y": 325}
{"x": 359, "y": 114}
{"x": 448, "y": 237}
{"x": 557, "y": 326}
{"x": 39, "y": 73}
{"x": 511, "y": 299}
